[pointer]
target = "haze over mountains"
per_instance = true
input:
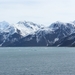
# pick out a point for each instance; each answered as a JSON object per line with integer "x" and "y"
{"x": 25, "y": 33}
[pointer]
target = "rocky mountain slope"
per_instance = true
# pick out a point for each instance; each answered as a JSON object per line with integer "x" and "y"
{"x": 25, "y": 33}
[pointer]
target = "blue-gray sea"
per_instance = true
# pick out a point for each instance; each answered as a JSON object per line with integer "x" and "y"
{"x": 37, "y": 61}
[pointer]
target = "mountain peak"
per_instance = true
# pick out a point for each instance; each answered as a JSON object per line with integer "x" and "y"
{"x": 26, "y": 33}
{"x": 28, "y": 23}
{"x": 21, "y": 22}
{"x": 4, "y": 22}
{"x": 4, "y": 25}
{"x": 56, "y": 25}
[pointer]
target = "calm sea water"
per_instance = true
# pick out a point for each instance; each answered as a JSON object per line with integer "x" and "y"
{"x": 37, "y": 61}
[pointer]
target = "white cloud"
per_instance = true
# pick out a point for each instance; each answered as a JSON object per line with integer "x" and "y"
{"x": 40, "y": 11}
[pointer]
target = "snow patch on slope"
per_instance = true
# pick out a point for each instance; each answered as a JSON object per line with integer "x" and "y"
{"x": 26, "y": 28}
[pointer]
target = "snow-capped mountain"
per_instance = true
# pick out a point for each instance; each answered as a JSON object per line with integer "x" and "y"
{"x": 12, "y": 31}
{"x": 5, "y": 27}
{"x": 55, "y": 32}
{"x": 25, "y": 33}
{"x": 26, "y": 28}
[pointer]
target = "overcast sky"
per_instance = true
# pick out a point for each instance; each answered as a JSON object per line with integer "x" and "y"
{"x": 38, "y": 11}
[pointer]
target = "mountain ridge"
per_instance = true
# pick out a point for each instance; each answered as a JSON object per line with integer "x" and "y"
{"x": 26, "y": 33}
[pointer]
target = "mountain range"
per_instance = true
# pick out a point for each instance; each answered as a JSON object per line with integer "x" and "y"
{"x": 28, "y": 34}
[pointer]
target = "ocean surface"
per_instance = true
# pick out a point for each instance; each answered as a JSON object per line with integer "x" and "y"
{"x": 37, "y": 61}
